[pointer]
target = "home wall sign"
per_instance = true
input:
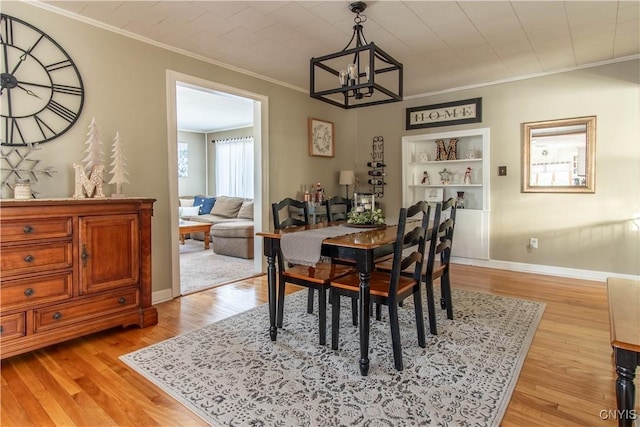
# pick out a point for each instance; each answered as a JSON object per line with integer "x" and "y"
{"x": 445, "y": 114}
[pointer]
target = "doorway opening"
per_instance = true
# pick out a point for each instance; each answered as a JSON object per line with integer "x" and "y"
{"x": 258, "y": 105}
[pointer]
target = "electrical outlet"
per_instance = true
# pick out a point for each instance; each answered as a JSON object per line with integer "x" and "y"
{"x": 533, "y": 243}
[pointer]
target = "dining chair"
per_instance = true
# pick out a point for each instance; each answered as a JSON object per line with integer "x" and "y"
{"x": 317, "y": 277}
{"x": 441, "y": 269}
{"x": 337, "y": 208}
{"x": 438, "y": 258}
{"x": 391, "y": 287}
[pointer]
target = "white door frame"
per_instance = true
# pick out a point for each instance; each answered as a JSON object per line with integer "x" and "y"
{"x": 260, "y": 166}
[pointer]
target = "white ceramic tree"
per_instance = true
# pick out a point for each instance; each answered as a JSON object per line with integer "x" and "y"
{"x": 119, "y": 163}
{"x": 94, "y": 156}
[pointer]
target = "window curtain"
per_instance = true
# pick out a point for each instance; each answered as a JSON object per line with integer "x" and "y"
{"x": 234, "y": 167}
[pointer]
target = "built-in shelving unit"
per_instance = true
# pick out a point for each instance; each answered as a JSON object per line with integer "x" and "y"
{"x": 434, "y": 167}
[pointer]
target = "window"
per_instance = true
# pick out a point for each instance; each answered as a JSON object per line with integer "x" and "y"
{"x": 234, "y": 167}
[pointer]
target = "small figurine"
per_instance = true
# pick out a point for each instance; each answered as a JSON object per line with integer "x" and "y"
{"x": 467, "y": 176}
{"x": 425, "y": 178}
{"x": 445, "y": 176}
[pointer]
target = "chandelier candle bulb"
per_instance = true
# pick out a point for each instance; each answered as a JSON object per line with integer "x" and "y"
{"x": 342, "y": 77}
{"x": 353, "y": 71}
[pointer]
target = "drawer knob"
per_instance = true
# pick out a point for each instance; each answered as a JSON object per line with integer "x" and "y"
{"x": 57, "y": 315}
{"x": 29, "y": 258}
{"x": 122, "y": 300}
{"x": 27, "y": 229}
{"x": 28, "y": 292}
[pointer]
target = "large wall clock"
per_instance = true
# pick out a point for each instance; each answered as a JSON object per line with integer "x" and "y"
{"x": 42, "y": 93}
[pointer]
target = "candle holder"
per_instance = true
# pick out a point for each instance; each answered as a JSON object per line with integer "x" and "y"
{"x": 364, "y": 212}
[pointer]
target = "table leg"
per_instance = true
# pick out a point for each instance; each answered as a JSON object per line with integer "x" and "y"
{"x": 626, "y": 362}
{"x": 364, "y": 265}
{"x": 270, "y": 252}
{"x": 206, "y": 239}
{"x": 182, "y": 239}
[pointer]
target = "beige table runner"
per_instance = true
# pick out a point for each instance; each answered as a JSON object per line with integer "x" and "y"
{"x": 303, "y": 247}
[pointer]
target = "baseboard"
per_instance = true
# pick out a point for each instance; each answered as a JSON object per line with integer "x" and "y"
{"x": 599, "y": 276}
{"x": 161, "y": 296}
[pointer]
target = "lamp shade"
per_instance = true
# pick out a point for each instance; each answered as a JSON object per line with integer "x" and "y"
{"x": 347, "y": 178}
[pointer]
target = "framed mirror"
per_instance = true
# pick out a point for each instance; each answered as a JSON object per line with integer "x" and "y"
{"x": 558, "y": 156}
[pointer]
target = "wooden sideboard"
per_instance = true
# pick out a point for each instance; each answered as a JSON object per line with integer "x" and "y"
{"x": 72, "y": 267}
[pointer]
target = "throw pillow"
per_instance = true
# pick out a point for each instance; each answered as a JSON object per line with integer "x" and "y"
{"x": 198, "y": 201}
{"x": 227, "y": 207}
{"x": 246, "y": 210}
{"x": 207, "y": 205}
{"x": 186, "y": 202}
{"x": 186, "y": 211}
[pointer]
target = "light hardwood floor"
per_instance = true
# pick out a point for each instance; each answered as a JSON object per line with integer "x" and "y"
{"x": 567, "y": 378}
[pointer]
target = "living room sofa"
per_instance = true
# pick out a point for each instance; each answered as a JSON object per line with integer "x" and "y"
{"x": 231, "y": 219}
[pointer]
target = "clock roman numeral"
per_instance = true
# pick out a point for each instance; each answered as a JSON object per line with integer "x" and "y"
{"x": 43, "y": 127}
{"x": 62, "y": 111}
{"x": 58, "y": 65}
{"x": 70, "y": 90}
{"x": 12, "y": 132}
{"x": 6, "y": 30}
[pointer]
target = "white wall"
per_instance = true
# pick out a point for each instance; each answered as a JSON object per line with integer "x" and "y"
{"x": 195, "y": 182}
{"x": 575, "y": 231}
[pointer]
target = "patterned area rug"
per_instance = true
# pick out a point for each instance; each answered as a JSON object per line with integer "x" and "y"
{"x": 230, "y": 373}
{"x": 202, "y": 269}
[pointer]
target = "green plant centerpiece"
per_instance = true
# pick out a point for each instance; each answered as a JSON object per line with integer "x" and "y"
{"x": 368, "y": 217}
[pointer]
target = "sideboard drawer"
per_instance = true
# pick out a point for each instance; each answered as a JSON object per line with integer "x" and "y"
{"x": 35, "y": 229}
{"x": 34, "y": 258}
{"x": 22, "y": 293}
{"x": 12, "y": 326}
{"x": 102, "y": 305}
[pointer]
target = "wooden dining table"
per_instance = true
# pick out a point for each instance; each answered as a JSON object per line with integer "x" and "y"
{"x": 363, "y": 247}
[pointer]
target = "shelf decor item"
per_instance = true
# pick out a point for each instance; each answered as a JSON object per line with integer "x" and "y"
{"x": 445, "y": 176}
{"x": 119, "y": 170}
{"x": 321, "y": 139}
{"x": 467, "y": 176}
{"x": 460, "y": 200}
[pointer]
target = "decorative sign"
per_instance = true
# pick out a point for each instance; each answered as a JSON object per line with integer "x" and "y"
{"x": 445, "y": 114}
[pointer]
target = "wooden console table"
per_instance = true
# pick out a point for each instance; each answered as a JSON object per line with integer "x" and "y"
{"x": 624, "y": 321}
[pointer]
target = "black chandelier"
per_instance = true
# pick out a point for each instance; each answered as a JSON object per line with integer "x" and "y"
{"x": 345, "y": 79}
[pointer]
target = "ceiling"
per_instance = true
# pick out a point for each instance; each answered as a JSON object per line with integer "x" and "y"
{"x": 443, "y": 45}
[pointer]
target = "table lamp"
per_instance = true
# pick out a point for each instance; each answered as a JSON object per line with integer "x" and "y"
{"x": 347, "y": 178}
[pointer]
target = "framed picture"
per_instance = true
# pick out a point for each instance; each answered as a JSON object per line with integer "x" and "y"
{"x": 321, "y": 139}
